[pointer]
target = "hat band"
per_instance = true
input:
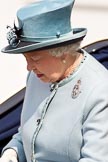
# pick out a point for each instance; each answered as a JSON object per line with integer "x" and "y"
{"x": 40, "y": 39}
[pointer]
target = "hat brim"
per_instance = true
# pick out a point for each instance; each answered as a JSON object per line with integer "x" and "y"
{"x": 24, "y": 46}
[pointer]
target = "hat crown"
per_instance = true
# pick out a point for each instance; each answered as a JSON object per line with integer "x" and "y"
{"x": 45, "y": 18}
{"x": 43, "y": 24}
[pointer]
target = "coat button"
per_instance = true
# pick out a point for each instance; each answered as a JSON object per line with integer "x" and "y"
{"x": 38, "y": 121}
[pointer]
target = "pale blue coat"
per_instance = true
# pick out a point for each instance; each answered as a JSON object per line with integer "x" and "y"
{"x": 69, "y": 123}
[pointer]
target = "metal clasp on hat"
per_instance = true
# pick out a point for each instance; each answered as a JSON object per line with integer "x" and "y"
{"x": 58, "y": 34}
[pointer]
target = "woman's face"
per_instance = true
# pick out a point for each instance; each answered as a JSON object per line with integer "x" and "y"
{"x": 46, "y": 67}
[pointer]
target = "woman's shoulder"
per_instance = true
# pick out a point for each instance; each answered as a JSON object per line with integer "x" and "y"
{"x": 94, "y": 69}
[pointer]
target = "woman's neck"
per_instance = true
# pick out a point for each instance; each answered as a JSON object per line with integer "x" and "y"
{"x": 73, "y": 63}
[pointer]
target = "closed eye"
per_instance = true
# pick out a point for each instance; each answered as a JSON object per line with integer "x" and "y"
{"x": 36, "y": 60}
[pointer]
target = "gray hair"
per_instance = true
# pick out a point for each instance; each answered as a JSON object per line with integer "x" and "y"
{"x": 70, "y": 49}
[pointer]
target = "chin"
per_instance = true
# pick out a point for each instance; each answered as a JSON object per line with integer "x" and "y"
{"x": 45, "y": 80}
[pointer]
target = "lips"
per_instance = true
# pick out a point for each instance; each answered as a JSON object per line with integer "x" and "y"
{"x": 39, "y": 75}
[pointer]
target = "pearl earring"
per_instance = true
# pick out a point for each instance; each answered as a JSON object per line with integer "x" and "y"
{"x": 64, "y": 61}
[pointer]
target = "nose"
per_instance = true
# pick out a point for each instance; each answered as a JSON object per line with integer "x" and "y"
{"x": 30, "y": 65}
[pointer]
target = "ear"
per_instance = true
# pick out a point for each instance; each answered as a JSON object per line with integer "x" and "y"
{"x": 64, "y": 58}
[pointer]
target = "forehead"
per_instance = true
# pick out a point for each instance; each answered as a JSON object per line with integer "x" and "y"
{"x": 37, "y": 54}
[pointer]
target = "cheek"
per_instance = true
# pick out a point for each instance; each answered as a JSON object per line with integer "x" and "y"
{"x": 51, "y": 68}
{"x": 54, "y": 72}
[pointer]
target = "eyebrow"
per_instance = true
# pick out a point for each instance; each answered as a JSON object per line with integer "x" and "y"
{"x": 36, "y": 57}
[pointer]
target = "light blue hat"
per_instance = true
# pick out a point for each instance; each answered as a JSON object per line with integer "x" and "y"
{"x": 43, "y": 24}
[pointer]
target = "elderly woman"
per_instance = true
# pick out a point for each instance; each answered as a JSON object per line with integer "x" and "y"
{"x": 65, "y": 112}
